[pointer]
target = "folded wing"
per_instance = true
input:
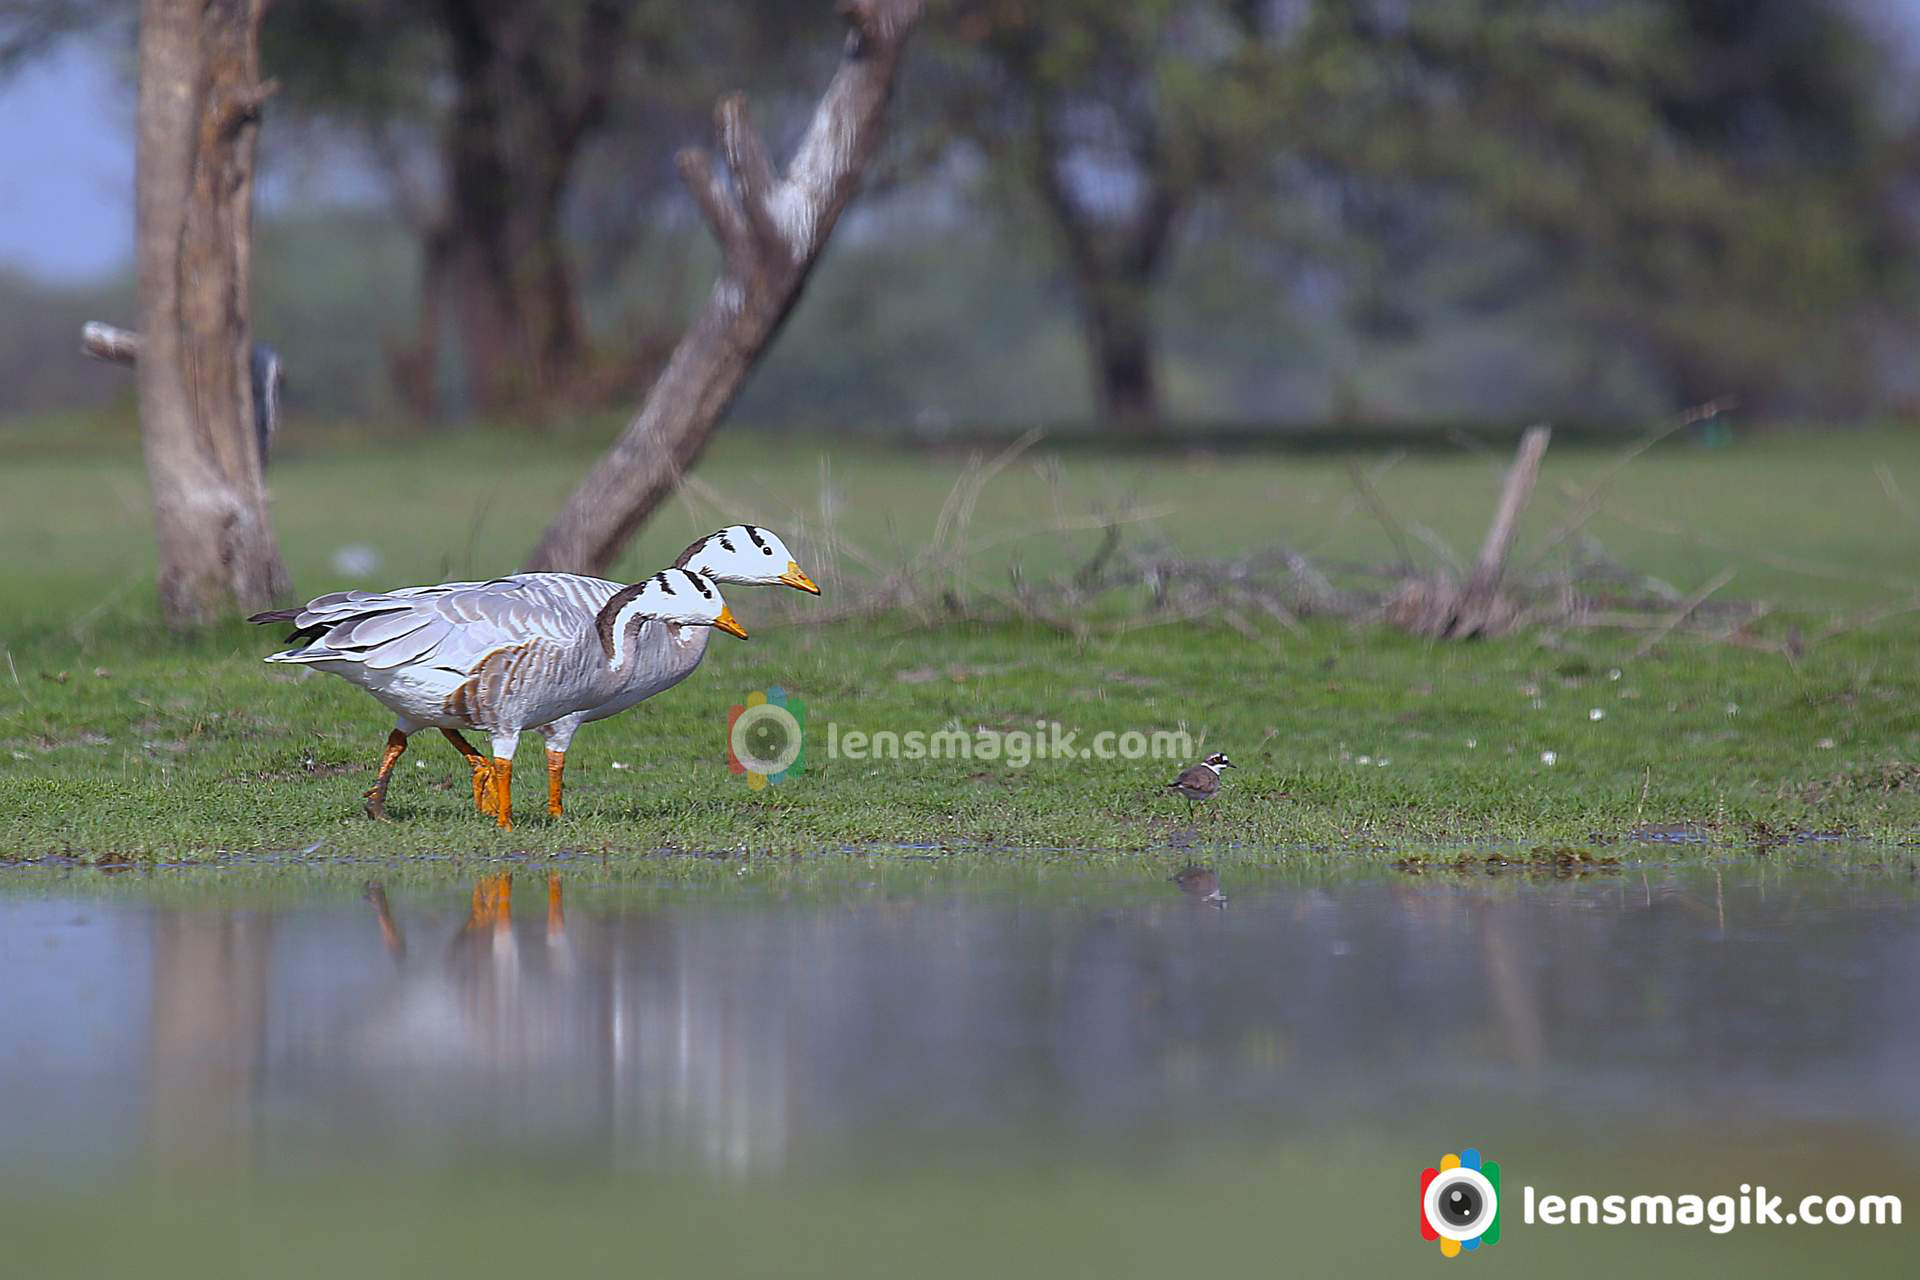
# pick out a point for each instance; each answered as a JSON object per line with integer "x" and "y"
{"x": 452, "y": 625}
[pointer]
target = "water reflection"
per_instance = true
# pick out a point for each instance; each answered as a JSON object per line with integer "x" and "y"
{"x": 1202, "y": 883}
{"x": 206, "y": 1038}
{"x": 738, "y": 1035}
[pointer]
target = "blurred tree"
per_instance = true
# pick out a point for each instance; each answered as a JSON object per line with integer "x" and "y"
{"x": 1704, "y": 182}
{"x": 478, "y": 113}
{"x": 508, "y": 94}
{"x": 1110, "y": 117}
{"x": 1552, "y": 205}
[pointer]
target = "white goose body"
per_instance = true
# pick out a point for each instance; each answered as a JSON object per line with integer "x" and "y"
{"x": 515, "y": 653}
{"x": 543, "y": 651}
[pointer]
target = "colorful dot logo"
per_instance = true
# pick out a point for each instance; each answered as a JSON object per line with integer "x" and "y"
{"x": 766, "y": 737}
{"x": 1460, "y": 1202}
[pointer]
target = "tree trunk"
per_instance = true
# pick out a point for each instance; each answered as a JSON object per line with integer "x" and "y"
{"x": 1112, "y": 265}
{"x": 414, "y": 365}
{"x": 772, "y": 230}
{"x": 517, "y": 127}
{"x": 199, "y": 110}
{"x": 494, "y": 358}
{"x": 1120, "y": 344}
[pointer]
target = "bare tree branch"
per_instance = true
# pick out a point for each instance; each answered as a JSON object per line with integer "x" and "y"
{"x": 753, "y": 178}
{"x": 113, "y": 345}
{"x": 110, "y": 344}
{"x": 789, "y": 219}
{"x": 717, "y": 205}
{"x": 1513, "y": 500}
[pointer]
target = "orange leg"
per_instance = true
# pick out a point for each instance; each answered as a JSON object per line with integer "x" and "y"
{"x": 482, "y": 771}
{"x": 503, "y": 916}
{"x": 556, "y": 918}
{"x": 503, "y": 792}
{"x": 377, "y": 794}
{"x": 556, "y": 765}
{"x": 396, "y": 942}
{"x": 492, "y": 903}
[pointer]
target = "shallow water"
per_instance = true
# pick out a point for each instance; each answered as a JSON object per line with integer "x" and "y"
{"x": 1288, "y": 1058}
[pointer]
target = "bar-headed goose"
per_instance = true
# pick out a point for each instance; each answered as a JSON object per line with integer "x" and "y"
{"x": 664, "y": 652}
{"x": 500, "y": 657}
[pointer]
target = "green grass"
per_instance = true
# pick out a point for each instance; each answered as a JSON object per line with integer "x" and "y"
{"x": 118, "y": 738}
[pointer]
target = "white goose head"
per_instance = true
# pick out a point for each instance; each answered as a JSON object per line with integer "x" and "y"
{"x": 747, "y": 555}
{"x": 672, "y": 595}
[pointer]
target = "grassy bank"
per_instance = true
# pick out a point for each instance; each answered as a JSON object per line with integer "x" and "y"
{"x": 118, "y": 738}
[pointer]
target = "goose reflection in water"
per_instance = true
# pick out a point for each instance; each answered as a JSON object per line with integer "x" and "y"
{"x": 663, "y": 1029}
{"x": 483, "y": 1000}
{"x": 601, "y": 1030}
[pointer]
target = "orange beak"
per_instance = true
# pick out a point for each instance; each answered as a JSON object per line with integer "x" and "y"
{"x": 795, "y": 577}
{"x": 726, "y": 622}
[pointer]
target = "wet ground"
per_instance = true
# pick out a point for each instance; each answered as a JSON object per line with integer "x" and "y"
{"x": 1232, "y": 1066}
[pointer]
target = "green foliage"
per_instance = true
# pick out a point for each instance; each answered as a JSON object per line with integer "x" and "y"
{"x": 1705, "y": 193}
{"x": 1334, "y": 209}
{"x": 1712, "y": 184}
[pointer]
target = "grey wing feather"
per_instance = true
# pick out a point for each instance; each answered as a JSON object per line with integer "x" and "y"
{"x": 411, "y": 647}
{"x": 338, "y": 606}
{"x": 370, "y": 630}
{"x": 456, "y": 624}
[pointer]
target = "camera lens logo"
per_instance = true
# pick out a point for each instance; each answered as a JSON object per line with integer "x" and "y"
{"x": 766, "y": 738}
{"x": 1460, "y": 1202}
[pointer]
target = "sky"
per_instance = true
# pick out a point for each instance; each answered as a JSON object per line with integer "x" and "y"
{"x": 66, "y": 155}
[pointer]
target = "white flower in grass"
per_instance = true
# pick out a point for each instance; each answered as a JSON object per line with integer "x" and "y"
{"x": 1549, "y": 758}
{"x": 621, "y": 764}
{"x": 1596, "y": 714}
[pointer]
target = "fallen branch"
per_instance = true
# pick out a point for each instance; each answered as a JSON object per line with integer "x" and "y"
{"x": 1130, "y": 579}
{"x": 1438, "y": 606}
{"x": 1589, "y": 504}
{"x": 1363, "y": 485}
{"x": 1685, "y": 611}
